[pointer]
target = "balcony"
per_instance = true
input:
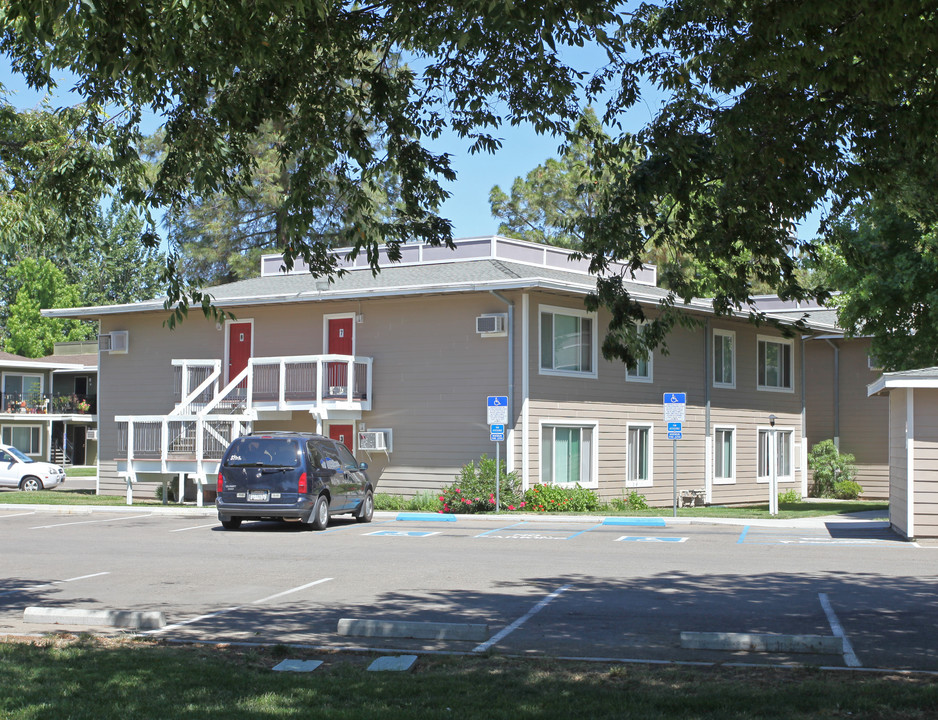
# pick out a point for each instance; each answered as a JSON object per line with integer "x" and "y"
{"x": 48, "y": 404}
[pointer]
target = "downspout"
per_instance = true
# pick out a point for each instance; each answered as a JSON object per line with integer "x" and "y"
{"x": 804, "y": 424}
{"x": 836, "y": 390}
{"x": 510, "y": 460}
{"x": 708, "y": 440}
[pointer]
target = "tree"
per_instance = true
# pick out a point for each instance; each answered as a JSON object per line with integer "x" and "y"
{"x": 324, "y": 72}
{"x": 885, "y": 263}
{"x": 41, "y": 285}
{"x": 771, "y": 109}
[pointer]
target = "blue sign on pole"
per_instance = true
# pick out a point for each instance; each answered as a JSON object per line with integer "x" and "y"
{"x": 674, "y": 427}
{"x": 497, "y": 409}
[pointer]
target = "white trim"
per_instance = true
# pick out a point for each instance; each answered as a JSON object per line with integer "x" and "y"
{"x": 594, "y": 341}
{"x": 594, "y": 452}
{"x": 713, "y": 455}
{"x": 778, "y": 341}
{"x": 650, "y": 481}
{"x": 791, "y": 453}
{"x": 325, "y": 330}
{"x": 227, "y": 331}
{"x": 910, "y": 461}
{"x": 713, "y": 362}
{"x": 525, "y": 391}
{"x": 900, "y": 380}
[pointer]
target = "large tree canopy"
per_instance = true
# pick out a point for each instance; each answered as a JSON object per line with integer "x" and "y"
{"x": 325, "y": 73}
{"x": 771, "y": 108}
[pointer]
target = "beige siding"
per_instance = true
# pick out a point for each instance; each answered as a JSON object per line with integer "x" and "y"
{"x": 898, "y": 463}
{"x": 863, "y": 420}
{"x": 926, "y": 463}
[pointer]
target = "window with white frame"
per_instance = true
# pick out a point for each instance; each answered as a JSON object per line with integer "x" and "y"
{"x": 724, "y": 455}
{"x": 568, "y": 341}
{"x": 724, "y": 358}
{"x": 21, "y": 386}
{"x": 774, "y": 364}
{"x": 641, "y": 371}
{"x": 568, "y": 454}
{"x": 783, "y": 453}
{"x": 639, "y": 456}
{"x": 25, "y": 438}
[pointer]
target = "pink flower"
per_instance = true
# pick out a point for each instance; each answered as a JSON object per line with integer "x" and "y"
{"x": 458, "y": 490}
{"x": 511, "y": 507}
{"x": 522, "y": 504}
{"x": 442, "y": 498}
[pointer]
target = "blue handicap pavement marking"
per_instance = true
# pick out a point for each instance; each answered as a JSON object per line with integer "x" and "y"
{"x": 638, "y": 538}
{"x": 426, "y": 517}
{"x": 635, "y": 521}
{"x": 402, "y": 533}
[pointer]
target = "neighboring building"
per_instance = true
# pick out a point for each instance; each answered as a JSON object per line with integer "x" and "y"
{"x": 837, "y": 405}
{"x": 913, "y": 450}
{"x": 49, "y": 405}
{"x": 399, "y": 366}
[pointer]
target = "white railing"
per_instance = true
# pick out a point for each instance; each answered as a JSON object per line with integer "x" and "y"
{"x": 202, "y": 424}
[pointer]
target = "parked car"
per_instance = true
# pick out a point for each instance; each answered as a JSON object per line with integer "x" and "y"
{"x": 292, "y": 476}
{"x": 18, "y": 470}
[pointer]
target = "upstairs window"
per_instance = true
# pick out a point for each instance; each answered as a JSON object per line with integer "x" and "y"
{"x": 641, "y": 371}
{"x": 568, "y": 342}
{"x": 774, "y": 364}
{"x": 724, "y": 358}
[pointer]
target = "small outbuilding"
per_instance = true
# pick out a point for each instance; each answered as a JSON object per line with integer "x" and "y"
{"x": 913, "y": 450}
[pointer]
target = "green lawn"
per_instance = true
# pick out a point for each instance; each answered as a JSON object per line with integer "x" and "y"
{"x": 84, "y": 678}
{"x": 145, "y": 495}
{"x": 81, "y": 471}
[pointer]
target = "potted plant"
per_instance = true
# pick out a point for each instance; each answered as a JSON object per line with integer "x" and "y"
{"x": 83, "y": 406}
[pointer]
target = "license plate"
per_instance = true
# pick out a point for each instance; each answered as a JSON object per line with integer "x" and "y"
{"x": 258, "y": 496}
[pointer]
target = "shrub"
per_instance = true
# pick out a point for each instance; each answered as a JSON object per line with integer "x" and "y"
{"x": 556, "y": 498}
{"x": 830, "y": 466}
{"x": 789, "y": 497}
{"x": 847, "y": 490}
{"x": 632, "y": 501}
{"x": 421, "y": 502}
{"x": 474, "y": 489}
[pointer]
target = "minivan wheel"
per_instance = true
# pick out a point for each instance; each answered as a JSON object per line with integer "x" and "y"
{"x": 319, "y": 520}
{"x": 30, "y": 484}
{"x": 367, "y": 509}
{"x": 232, "y": 524}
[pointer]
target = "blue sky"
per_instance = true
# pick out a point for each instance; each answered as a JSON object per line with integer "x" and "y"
{"x": 468, "y": 207}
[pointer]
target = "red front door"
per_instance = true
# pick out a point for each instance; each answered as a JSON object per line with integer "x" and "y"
{"x": 239, "y": 348}
{"x": 340, "y": 343}
{"x": 342, "y": 433}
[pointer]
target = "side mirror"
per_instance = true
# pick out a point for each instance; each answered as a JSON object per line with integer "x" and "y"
{"x": 363, "y": 466}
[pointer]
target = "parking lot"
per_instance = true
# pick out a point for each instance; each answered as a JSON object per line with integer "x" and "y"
{"x": 601, "y": 588}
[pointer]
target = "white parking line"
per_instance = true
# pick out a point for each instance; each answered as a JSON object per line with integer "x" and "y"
{"x": 850, "y": 657}
{"x": 32, "y": 512}
{"x": 89, "y": 522}
{"x": 55, "y": 582}
{"x": 195, "y": 527}
{"x": 208, "y": 616}
{"x": 520, "y": 621}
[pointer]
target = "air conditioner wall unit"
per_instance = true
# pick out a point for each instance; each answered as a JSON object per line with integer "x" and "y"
{"x": 492, "y": 324}
{"x": 92, "y": 434}
{"x": 115, "y": 342}
{"x": 373, "y": 440}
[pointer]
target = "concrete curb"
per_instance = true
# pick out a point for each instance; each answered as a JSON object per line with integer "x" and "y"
{"x": 112, "y": 618}
{"x": 188, "y": 511}
{"x": 408, "y": 629}
{"x": 763, "y": 642}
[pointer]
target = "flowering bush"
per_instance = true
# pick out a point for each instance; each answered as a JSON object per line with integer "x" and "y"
{"x": 474, "y": 489}
{"x": 556, "y": 498}
{"x": 632, "y": 501}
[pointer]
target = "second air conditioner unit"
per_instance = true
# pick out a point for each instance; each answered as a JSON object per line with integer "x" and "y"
{"x": 492, "y": 325}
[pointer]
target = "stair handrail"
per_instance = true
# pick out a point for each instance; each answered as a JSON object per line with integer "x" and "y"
{"x": 186, "y": 401}
{"x": 235, "y": 381}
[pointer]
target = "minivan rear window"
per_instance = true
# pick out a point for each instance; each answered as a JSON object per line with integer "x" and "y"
{"x": 263, "y": 452}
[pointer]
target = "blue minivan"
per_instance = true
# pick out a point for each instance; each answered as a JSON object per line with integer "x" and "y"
{"x": 292, "y": 476}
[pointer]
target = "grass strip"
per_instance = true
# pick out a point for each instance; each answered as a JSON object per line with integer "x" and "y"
{"x": 82, "y": 677}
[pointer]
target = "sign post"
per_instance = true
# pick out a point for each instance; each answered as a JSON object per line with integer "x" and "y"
{"x": 497, "y": 418}
{"x": 675, "y": 406}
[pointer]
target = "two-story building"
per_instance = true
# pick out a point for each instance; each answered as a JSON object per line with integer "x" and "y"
{"x": 398, "y": 365}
